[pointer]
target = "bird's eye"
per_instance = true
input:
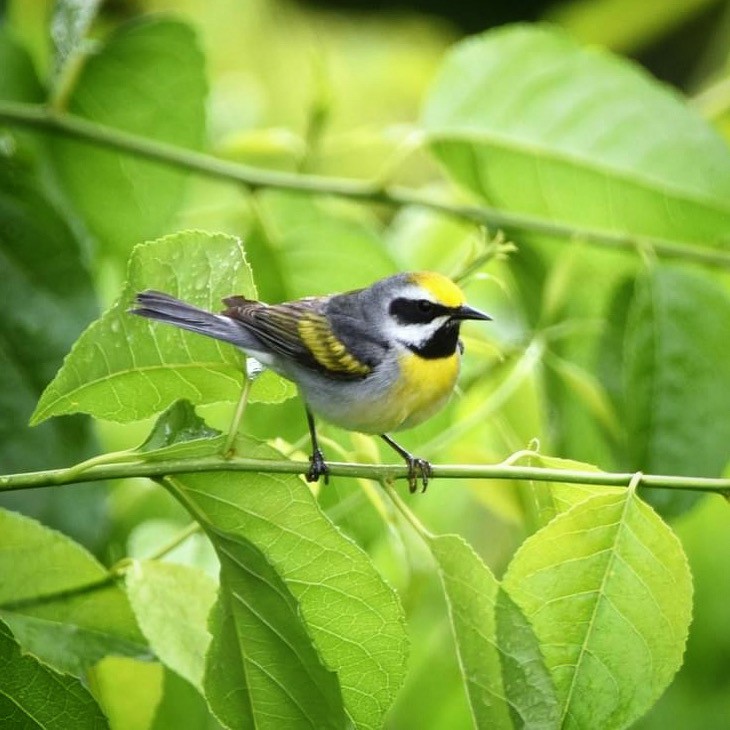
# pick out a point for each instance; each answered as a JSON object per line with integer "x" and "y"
{"x": 424, "y": 305}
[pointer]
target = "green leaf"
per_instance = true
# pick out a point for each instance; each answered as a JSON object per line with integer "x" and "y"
{"x": 128, "y": 690}
{"x": 18, "y": 81}
{"x": 70, "y": 629}
{"x": 530, "y": 122}
{"x": 178, "y": 427}
{"x": 171, "y": 603}
{"x": 125, "y": 368}
{"x": 471, "y": 592}
{"x": 314, "y": 246}
{"x": 528, "y": 686}
{"x": 181, "y": 706}
{"x": 148, "y": 79}
{"x": 607, "y": 590}
{"x": 35, "y": 696}
{"x": 676, "y": 375}
{"x": 262, "y": 670}
{"x": 354, "y": 619}
{"x": 44, "y": 278}
{"x": 506, "y": 679}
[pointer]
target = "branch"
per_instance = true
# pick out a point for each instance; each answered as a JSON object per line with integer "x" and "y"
{"x": 39, "y": 117}
{"x": 379, "y": 472}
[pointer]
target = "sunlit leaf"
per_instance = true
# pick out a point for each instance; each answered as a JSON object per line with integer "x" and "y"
{"x": 126, "y": 368}
{"x": 531, "y": 122}
{"x": 353, "y": 618}
{"x": 33, "y": 695}
{"x": 72, "y": 630}
{"x": 171, "y": 603}
{"x": 607, "y": 590}
{"x": 129, "y": 691}
{"x": 148, "y": 79}
{"x": 262, "y": 670}
{"x": 505, "y": 677}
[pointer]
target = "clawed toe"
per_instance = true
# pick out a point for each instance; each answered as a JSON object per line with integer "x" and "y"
{"x": 418, "y": 469}
{"x": 318, "y": 468}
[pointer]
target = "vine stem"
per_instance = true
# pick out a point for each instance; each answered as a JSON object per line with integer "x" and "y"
{"x": 46, "y": 119}
{"x": 379, "y": 472}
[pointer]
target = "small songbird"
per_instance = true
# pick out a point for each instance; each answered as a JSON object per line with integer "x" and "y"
{"x": 374, "y": 360}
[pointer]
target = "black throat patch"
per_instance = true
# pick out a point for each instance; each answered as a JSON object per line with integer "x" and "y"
{"x": 442, "y": 343}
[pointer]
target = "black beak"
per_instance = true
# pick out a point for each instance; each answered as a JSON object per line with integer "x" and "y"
{"x": 465, "y": 312}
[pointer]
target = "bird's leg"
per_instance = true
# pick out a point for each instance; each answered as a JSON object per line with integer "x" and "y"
{"x": 416, "y": 467}
{"x": 318, "y": 467}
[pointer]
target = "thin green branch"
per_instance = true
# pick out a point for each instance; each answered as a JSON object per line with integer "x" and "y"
{"x": 47, "y": 120}
{"x": 379, "y": 472}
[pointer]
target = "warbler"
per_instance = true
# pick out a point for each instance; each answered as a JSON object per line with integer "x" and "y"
{"x": 375, "y": 360}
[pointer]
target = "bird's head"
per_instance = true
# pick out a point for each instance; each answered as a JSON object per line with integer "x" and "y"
{"x": 423, "y": 312}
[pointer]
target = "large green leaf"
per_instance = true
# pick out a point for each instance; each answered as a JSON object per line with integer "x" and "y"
{"x": 607, "y": 590}
{"x": 49, "y": 300}
{"x": 148, "y": 78}
{"x": 171, "y": 603}
{"x": 471, "y": 592}
{"x": 69, "y": 630}
{"x": 126, "y": 368}
{"x": 262, "y": 670}
{"x": 506, "y": 680}
{"x": 273, "y": 523}
{"x": 33, "y": 695}
{"x": 675, "y": 378}
{"x": 531, "y": 122}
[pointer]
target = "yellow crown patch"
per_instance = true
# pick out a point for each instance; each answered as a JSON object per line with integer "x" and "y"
{"x": 442, "y": 288}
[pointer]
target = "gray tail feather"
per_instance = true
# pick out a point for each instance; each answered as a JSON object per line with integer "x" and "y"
{"x": 165, "y": 308}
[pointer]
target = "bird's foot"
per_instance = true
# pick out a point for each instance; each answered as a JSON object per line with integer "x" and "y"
{"x": 418, "y": 469}
{"x": 318, "y": 468}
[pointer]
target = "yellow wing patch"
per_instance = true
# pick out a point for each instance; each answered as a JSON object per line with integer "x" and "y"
{"x": 326, "y": 349}
{"x": 443, "y": 289}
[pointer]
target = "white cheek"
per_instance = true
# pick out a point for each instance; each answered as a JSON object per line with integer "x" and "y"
{"x": 413, "y": 334}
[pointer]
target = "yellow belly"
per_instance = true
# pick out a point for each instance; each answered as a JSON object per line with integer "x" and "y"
{"x": 423, "y": 388}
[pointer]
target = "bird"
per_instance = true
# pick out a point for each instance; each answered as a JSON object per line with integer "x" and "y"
{"x": 376, "y": 360}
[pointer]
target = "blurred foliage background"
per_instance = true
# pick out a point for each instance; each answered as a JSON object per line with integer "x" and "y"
{"x": 336, "y": 89}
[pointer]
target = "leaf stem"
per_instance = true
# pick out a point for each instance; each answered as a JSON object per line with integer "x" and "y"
{"x": 47, "y": 120}
{"x": 228, "y": 447}
{"x": 378, "y": 472}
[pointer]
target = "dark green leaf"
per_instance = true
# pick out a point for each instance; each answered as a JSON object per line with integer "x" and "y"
{"x": 178, "y": 425}
{"x": 528, "y": 686}
{"x": 49, "y": 300}
{"x": 148, "y": 79}
{"x": 676, "y": 376}
{"x": 33, "y": 695}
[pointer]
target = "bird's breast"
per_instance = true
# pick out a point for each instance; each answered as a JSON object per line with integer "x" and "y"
{"x": 424, "y": 386}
